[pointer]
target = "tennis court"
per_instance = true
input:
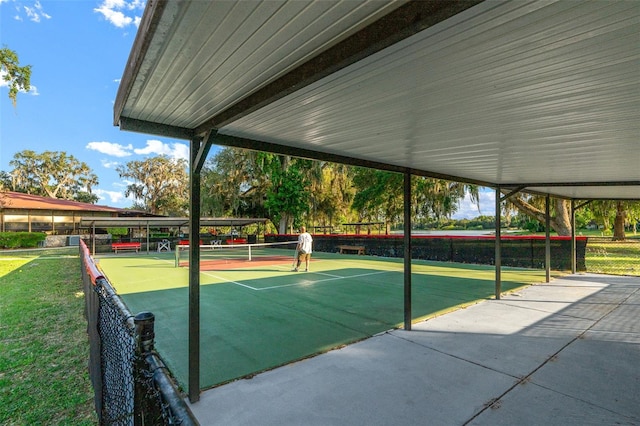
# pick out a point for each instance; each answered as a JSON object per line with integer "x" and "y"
{"x": 257, "y": 315}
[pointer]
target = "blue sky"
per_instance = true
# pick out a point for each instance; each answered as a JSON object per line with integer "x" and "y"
{"x": 78, "y": 50}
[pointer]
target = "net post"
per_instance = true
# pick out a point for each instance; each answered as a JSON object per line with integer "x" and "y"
{"x": 249, "y": 252}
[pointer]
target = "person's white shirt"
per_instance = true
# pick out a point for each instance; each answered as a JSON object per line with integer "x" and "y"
{"x": 305, "y": 242}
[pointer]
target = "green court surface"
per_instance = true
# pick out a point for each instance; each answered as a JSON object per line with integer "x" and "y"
{"x": 262, "y": 316}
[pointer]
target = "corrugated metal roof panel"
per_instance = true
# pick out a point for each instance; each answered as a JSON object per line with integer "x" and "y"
{"x": 504, "y": 93}
{"x": 227, "y": 50}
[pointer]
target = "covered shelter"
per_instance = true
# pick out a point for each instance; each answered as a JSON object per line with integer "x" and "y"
{"x": 536, "y": 96}
{"x": 32, "y": 213}
{"x": 149, "y": 223}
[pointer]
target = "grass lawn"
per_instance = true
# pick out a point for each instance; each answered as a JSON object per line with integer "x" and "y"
{"x": 44, "y": 349}
{"x": 613, "y": 257}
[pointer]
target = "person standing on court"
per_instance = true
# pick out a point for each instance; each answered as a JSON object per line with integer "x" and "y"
{"x": 304, "y": 248}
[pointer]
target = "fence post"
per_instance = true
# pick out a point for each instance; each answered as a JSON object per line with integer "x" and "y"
{"x": 144, "y": 323}
{"x": 145, "y": 335}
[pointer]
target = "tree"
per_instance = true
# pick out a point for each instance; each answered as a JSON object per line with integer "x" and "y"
{"x": 159, "y": 183}
{"x": 243, "y": 182}
{"x": 604, "y": 212}
{"x": 533, "y": 206}
{"x": 380, "y": 196}
{"x": 53, "y": 174}
{"x": 5, "y": 181}
{"x": 18, "y": 78}
{"x": 288, "y": 196}
{"x": 331, "y": 193}
{"x": 621, "y": 213}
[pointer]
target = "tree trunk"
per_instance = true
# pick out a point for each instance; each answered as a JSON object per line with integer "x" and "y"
{"x": 560, "y": 223}
{"x": 618, "y": 225}
{"x": 282, "y": 225}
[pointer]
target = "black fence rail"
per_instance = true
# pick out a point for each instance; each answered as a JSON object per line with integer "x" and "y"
{"x": 604, "y": 256}
{"x": 131, "y": 383}
{"x": 517, "y": 251}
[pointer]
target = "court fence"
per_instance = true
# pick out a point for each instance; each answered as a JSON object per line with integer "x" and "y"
{"x": 605, "y": 256}
{"x": 517, "y": 251}
{"x": 131, "y": 383}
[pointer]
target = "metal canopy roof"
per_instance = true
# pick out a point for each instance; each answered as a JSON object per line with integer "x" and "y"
{"x": 537, "y": 94}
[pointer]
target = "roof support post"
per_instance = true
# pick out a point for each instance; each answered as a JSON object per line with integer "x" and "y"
{"x": 498, "y": 256}
{"x": 547, "y": 239}
{"x": 407, "y": 251}
{"x": 573, "y": 236}
{"x": 194, "y": 272}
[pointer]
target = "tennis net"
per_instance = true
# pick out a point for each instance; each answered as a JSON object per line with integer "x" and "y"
{"x": 218, "y": 256}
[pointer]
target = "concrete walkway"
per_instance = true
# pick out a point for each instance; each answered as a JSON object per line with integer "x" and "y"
{"x": 564, "y": 353}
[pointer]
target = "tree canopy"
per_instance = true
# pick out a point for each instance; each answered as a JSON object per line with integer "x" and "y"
{"x": 160, "y": 184}
{"x": 18, "y": 77}
{"x": 291, "y": 191}
{"x": 53, "y": 174}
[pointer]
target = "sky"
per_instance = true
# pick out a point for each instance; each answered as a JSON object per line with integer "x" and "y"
{"x": 78, "y": 50}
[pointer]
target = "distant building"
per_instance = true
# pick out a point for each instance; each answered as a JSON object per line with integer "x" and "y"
{"x": 32, "y": 213}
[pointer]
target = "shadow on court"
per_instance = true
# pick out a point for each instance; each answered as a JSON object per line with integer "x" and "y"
{"x": 254, "y": 320}
{"x": 564, "y": 353}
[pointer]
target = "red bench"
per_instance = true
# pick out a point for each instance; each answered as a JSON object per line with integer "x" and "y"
{"x": 237, "y": 241}
{"x": 125, "y": 246}
{"x": 186, "y": 242}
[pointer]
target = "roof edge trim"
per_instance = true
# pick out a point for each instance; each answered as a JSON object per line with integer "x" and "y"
{"x": 149, "y": 127}
{"x": 150, "y": 19}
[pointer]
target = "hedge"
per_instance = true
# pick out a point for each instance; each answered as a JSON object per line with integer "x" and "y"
{"x": 21, "y": 239}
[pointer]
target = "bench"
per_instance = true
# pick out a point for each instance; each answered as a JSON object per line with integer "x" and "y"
{"x": 125, "y": 246}
{"x": 345, "y": 249}
{"x": 237, "y": 241}
{"x": 186, "y": 242}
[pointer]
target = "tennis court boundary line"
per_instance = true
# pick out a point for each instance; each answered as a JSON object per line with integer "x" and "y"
{"x": 306, "y": 283}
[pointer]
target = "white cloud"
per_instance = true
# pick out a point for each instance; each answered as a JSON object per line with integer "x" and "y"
{"x": 109, "y": 164}
{"x": 36, "y": 13}
{"x": 110, "y": 148}
{"x": 175, "y": 150}
{"x": 121, "y": 13}
{"x": 123, "y": 183}
{"x": 469, "y": 210}
{"x": 112, "y": 196}
{"x": 33, "y": 12}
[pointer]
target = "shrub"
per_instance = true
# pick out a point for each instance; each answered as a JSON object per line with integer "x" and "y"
{"x": 21, "y": 239}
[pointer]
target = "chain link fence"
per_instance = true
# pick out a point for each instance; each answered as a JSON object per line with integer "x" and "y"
{"x": 605, "y": 256}
{"x": 131, "y": 383}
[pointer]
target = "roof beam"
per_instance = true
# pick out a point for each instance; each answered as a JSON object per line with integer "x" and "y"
{"x": 256, "y": 145}
{"x": 149, "y": 127}
{"x": 402, "y": 23}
